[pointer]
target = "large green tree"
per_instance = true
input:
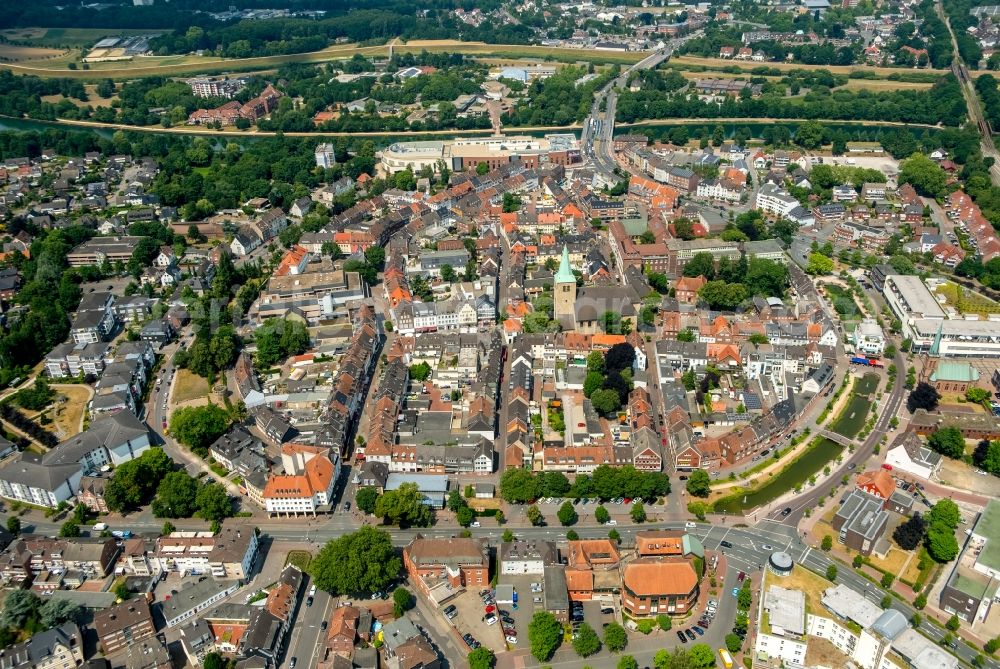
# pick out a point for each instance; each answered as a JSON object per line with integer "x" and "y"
{"x": 819, "y": 264}
{"x": 482, "y": 658}
{"x": 199, "y": 427}
{"x": 213, "y": 502}
{"x": 945, "y": 512}
{"x": 567, "y": 514}
{"x": 699, "y": 483}
{"x": 404, "y": 506}
{"x": 924, "y": 175}
{"x": 701, "y": 656}
{"x": 615, "y": 637}
{"x": 134, "y": 482}
{"x": 948, "y": 441}
{"x": 722, "y": 295}
{"x": 701, "y": 264}
{"x": 544, "y": 634}
{"x": 366, "y": 499}
{"x": 941, "y": 543}
{"x": 176, "y": 496}
{"x": 279, "y": 338}
{"x": 586, "y": 642}
{"x": 518, "y": 486}
{"x": 358, "y": 563}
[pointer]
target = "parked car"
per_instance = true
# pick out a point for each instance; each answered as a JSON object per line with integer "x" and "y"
{"x": 690, "y": 634}
{"x": 680, "y": 635}
{"x": 607, "y": 610}
{"x": 699, "y": 631}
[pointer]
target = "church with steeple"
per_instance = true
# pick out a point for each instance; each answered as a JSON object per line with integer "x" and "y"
{"x": 564, "y": 293}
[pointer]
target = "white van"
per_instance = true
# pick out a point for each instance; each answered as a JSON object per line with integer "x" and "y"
{"x": 689, "y": 526}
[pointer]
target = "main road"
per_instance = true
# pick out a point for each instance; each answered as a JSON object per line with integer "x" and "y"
{"x": 597, "y": 137}
{"x": 747, "y": 549}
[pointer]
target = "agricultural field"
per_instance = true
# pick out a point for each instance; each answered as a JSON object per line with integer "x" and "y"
{"x": 876, "y": 85}
{"x": 65, "y": 37}
{"x": 15, "y": 53}
{"x": 784, "y": 67}
{"x": 189, "y": 64}
{"x": 880, "y": 85}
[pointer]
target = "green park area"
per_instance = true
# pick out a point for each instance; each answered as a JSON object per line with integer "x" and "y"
{"x": 843, "y": 302}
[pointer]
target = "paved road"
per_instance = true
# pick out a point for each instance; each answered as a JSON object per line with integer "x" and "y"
{"x": 597, "y": 137}
{"x": 157, "y": 416}
{"x": 307, "y": 635}
{"x": 749, "y": 549}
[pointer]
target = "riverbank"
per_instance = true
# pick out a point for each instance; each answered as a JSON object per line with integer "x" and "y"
{"x": 794, "y": 475}
{"x": 413, "y": 135}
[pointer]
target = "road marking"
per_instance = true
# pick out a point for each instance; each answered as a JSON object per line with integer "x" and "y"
{"x": 802, "y": 558}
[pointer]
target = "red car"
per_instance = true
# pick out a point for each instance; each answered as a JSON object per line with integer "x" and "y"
{"x": 741, "y": 576}
{"x": 628, "y": 500}
{"x": 888, "y": 468}
{"x": 490, "y": 609}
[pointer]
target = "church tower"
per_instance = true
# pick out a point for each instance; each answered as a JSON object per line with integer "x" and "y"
{"x": 564, "y": 292}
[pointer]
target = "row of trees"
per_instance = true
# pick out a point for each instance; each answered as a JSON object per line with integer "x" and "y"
{"x": 942, "y": 103}
{"x": 179, "y": 495}
{"x": 520, "y": 486}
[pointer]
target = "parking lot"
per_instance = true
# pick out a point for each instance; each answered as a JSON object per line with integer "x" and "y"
{"x": 469, "y": 620}
{"x": 549, "y": 506}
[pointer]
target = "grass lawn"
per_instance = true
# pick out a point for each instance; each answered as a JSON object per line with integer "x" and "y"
{"x": 189, "y": 386}
{"x": 300, "y": 559}
{"x": 893, "y": 562}
{"x": 187, "y": 64}
{"x": 93, "y": 99}
{"x": 69, "y": 414}
{"x": 802, "y": 579}
{"x": 822, "y": 653}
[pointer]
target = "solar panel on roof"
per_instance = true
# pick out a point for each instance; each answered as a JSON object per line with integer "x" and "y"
{"x": 751, "y": 401}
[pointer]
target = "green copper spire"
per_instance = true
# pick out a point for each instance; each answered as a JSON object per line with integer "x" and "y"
{"x": 565, "y": 273}
{"x": 936, "y": 346}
